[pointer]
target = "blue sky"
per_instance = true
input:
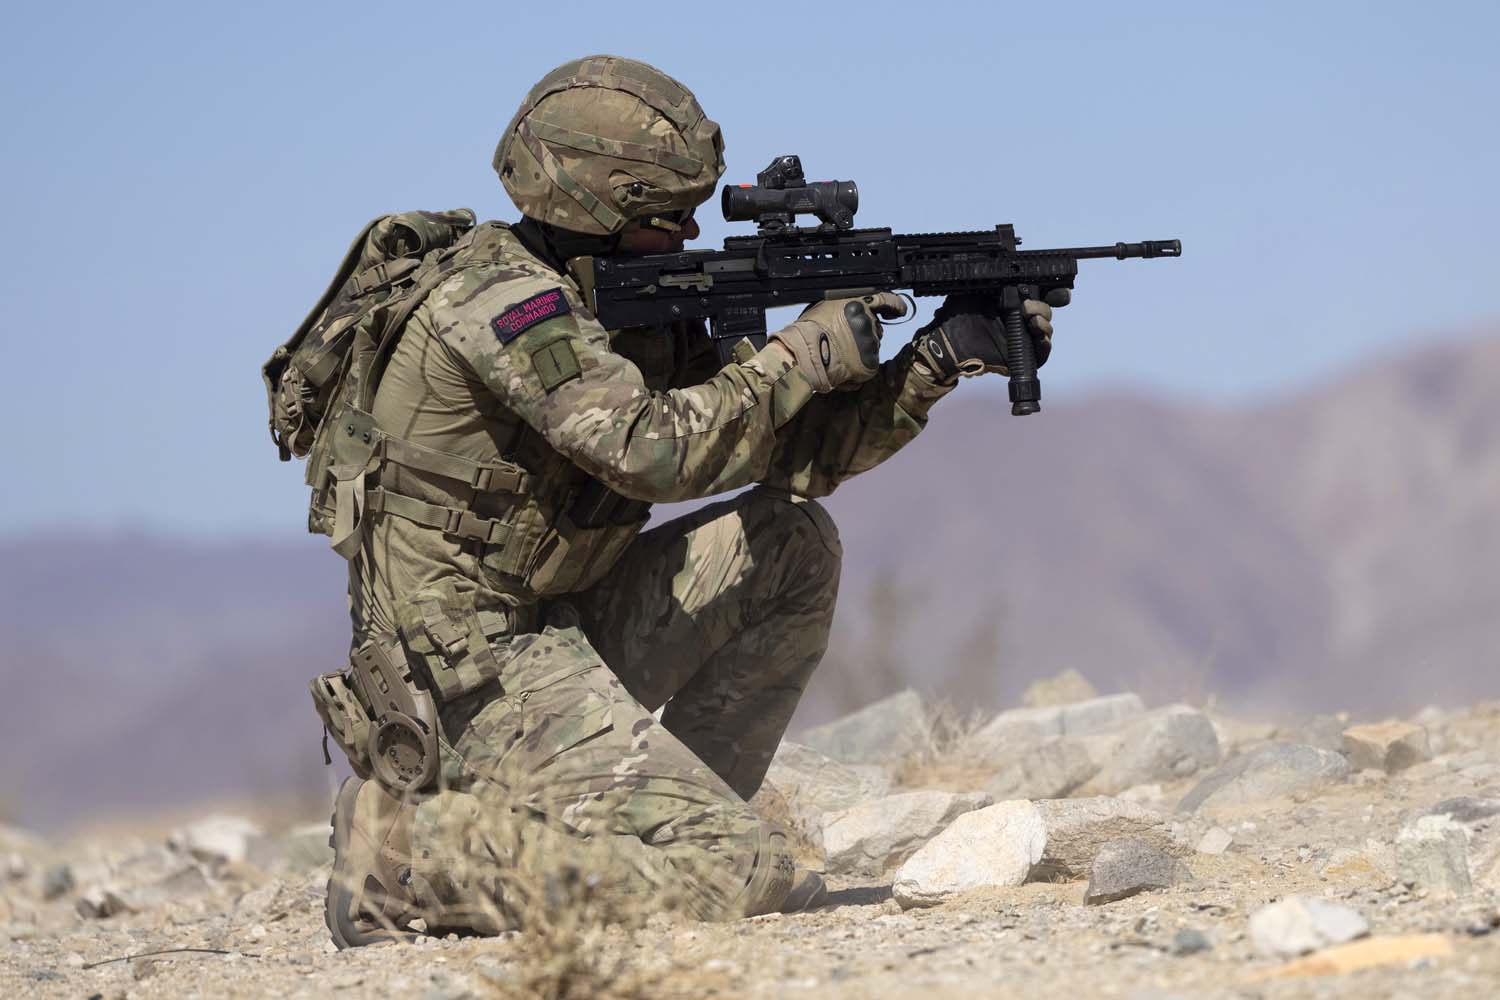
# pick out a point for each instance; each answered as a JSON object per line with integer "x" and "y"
{"x": 180, "y": 179}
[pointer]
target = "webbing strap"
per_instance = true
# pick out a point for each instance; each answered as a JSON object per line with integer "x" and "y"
{"x": 483, "y": 477}
{"x": 602, "y": 213}
{"x": 384, "y": 273}
{"x": 590, "y": 143}
{"x": 450, "y": 520}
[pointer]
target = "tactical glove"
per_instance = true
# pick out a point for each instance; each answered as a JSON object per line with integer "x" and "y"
{"x": 967, "y": 335}
{"x": 837, "y": 343}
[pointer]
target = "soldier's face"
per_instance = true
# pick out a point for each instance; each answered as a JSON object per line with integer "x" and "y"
{"x": 657, "y": 235}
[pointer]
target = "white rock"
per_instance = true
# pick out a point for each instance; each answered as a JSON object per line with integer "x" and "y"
{"x": 1432, "y": 852}
{"x": 1020, "y": 728}
{"x": 1050, "y": 771}
{"x": 1066, "y": 688}
{"x": 879, "y": 732}
{"x": 1491, "y": 878}
{"x": 99, "y": 902}
{"x": 217, "y": 839}
{"x": 813, "y": 783}
{"x": 1300, "y": 924}
{"x": 1100, "y": 714}
{"x": 1215, "y": 841}
{"x": 994, "y": 846}
{"x": 1268, "y": 772}
{"x": 1164, "y": 745}
{"x": 1077, "y": 829}
{"x": 877, "y": 835}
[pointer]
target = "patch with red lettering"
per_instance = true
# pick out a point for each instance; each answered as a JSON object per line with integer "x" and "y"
{"x": 523, "y": 315}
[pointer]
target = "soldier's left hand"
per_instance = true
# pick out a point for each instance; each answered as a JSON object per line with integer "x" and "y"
{"x": 967, "y": 336}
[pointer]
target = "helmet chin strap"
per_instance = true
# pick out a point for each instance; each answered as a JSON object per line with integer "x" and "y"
{"x": 558, "y": 246}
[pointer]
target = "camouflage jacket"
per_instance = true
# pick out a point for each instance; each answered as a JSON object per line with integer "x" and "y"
{"x": 504, "y": 363}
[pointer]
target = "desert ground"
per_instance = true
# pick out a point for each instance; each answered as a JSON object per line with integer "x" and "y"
{"x": 1080, "y": 845}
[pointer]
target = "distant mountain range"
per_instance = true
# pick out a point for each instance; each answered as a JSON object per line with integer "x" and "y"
{"x": 1339, "y": 548}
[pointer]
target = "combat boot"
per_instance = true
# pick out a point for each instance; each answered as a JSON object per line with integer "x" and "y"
{"x": 369, "y": 896}
{"x": 808, "y": 892}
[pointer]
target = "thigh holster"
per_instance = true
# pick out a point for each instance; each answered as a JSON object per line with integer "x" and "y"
{"x": 381, "y": 717}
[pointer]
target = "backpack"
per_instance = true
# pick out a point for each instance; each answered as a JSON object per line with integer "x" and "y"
{"x": 333, "y": 359}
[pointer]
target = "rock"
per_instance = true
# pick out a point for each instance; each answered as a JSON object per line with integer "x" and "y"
{"x": 300, "y": 849}
{"x": 257, "y": 902}
{"x": 1386, "y": 746}
{"x": 57, "y": 881}
{"x": 1099, "y": 714}
{"x": 1215, "y": 841}
{"x": 1326, "y": 732}
{"x": 1078, "y": 829}
{"x": 15, "y": 866}
{"x": 1490, "y": 879}
{"x": 1127, "y": 867}
{"x": 814, "y": 783}
{"x": 994, "y": 846}
{"x": 216, "y": 840}
{"x": 99, "y": 902}
{"x": 1145, "y": 795}
{"x": 875, "y": 836}
{"x": 188, "y": 881}
{"x": 883, "y": 731}
{"x": 1300, "y": 924}
{"x": 1432, "y": 852}
{"x": 1164, "y": 745}
{"x": 1190, "y": 941}
{"x": 1236, "y": 735}
{"x": 1470, "y": 810}
{"x": 1064, "y": 689}
{"x": 1020, "y": 728}
{"x": 1049, "y": 771}
{"x": 1017, "y": 730}
{"x": 1269, "y": 772}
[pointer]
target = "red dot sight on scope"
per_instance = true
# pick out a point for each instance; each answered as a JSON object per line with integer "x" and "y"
{"x": 782, "y": 192}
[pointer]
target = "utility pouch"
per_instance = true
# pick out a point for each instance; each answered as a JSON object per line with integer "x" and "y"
{"x": 453, "y": 641}
{"x": 344, "y": 718}
{"x": 402, "y": 744}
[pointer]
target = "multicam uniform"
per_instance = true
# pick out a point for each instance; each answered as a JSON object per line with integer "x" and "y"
{"x": 552, "y": 626}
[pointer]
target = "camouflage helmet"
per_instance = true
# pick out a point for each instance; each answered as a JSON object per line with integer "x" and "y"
{"x": 604, "y": 140}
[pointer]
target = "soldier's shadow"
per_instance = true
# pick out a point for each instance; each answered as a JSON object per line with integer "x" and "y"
{"x": 863, "y": 895}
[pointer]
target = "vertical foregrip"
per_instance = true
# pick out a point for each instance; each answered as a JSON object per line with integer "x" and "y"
{"x": 1020, "y": 358}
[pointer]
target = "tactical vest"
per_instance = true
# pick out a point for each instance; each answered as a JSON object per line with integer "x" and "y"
{"x": 540, "y": 525}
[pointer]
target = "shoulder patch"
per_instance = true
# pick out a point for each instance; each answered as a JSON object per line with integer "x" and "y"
{"x": 523, "y": 315}
{"x": 555, "y": 364}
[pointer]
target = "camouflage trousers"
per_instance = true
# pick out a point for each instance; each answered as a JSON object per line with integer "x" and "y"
{"x": 721, "y": 616}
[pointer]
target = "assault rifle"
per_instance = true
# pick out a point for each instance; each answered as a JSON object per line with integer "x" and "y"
{"x": 784, "y": 264}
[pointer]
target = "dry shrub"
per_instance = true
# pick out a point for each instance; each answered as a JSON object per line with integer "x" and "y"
{"x": 571, "y": 927}
{"x": 949, "y": 757}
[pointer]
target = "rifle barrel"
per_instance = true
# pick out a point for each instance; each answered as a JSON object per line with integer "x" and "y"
{"x": 1120, "y": 251}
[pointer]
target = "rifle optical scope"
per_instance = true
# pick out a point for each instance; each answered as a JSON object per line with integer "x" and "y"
{"x": 833, "y": 202}
{"x": 781, "y": 193}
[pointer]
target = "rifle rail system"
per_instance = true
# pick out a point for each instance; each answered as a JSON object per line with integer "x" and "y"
{"x": 785, "y": 265}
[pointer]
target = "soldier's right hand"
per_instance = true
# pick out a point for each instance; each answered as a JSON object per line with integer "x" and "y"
{"x": 836, "y": 343}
